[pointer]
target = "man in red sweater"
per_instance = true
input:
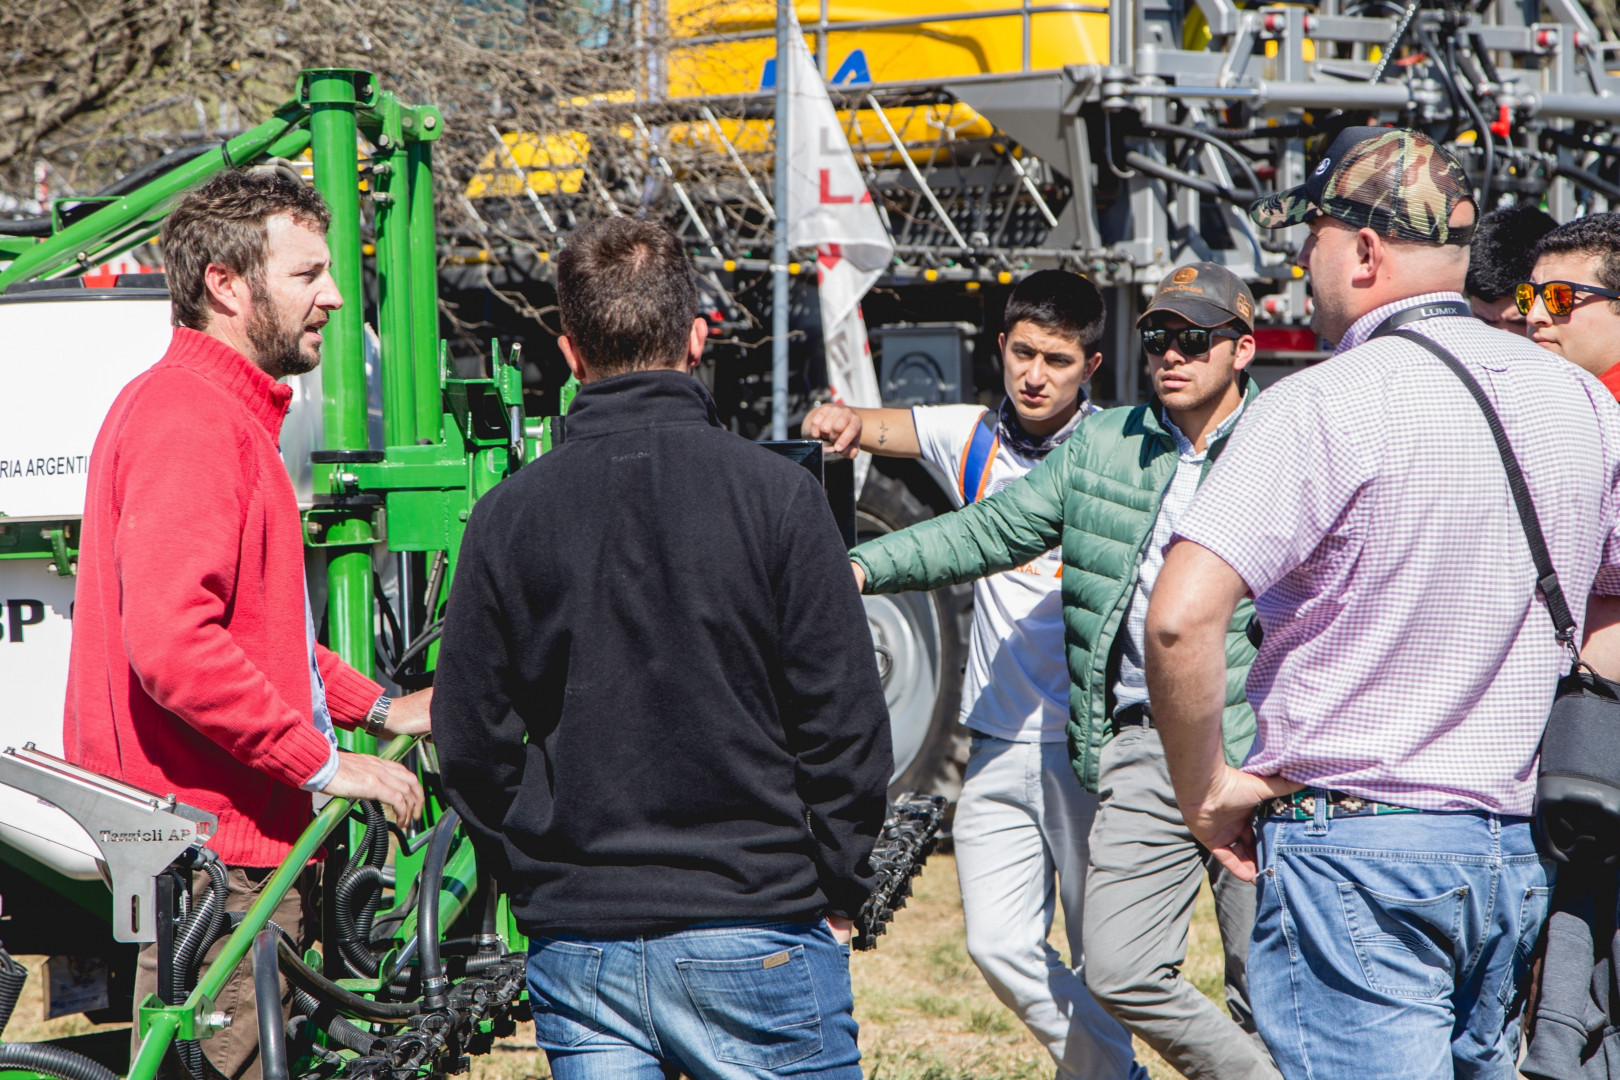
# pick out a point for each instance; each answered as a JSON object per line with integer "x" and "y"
{"x": 194, "y": 664}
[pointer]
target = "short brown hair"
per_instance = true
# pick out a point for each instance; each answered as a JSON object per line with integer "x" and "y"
{"x": 223, "y": 221}
{"x": 627, "y": 295}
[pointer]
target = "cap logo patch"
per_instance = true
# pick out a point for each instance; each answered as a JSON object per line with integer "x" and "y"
{"x": 1243, "y": 308}
{"x": 1323, "y": 166}
{"x": 1184, "y": 275}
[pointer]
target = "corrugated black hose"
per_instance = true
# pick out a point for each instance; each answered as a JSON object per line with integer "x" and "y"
{"x": 203, "y": 921}
{"x": 346, "y": 1001}
{"x": 12, "y": 977}
{"x": 345, "y": 1034}
{"x": 197, "y": 933}
{"x": 359, "y": 893}
{"x": 52, "y": 1061}
{"x": 354, "y": 918}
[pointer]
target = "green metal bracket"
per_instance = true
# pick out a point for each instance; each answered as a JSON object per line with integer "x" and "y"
{"x": 424, "y": 123}
{"x": 66, "y": 565}
{"x": 320, "y": 522}
{"x": 195, "y": 1019}
{"x": 40, "y": 540}
{"x": 309, "y": 88}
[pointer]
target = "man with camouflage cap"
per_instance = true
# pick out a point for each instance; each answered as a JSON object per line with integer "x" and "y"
{"x": 1408, "y": 664}
{"x": 1110, "y": 496}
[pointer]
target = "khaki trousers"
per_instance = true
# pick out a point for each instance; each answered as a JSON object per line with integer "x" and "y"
{"x": 1146, "y": 868}
{"x": 234, "y": 1052}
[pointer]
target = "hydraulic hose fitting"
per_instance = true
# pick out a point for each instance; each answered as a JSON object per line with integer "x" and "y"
{"x": 435, "y": 987}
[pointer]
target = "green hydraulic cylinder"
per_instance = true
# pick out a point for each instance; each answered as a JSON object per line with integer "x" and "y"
{"x": 392, "y": 198}
{"x": 335, "y": 95}
{"x": 425, "y": 279}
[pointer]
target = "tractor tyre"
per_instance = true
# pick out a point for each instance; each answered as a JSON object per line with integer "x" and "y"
{"x": 922, "y": 645}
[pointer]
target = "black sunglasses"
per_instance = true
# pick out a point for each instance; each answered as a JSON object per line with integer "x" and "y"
{"x": 1189, "y": 340}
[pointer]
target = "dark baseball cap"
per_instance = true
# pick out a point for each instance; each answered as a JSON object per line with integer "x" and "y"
{"x": 1206, "y": 294}
{"x": 1394, "y": 181}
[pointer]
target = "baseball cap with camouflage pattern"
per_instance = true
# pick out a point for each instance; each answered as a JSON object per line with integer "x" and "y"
{"x": 1203, "y": 293}
{"x": 1395, "y": 181}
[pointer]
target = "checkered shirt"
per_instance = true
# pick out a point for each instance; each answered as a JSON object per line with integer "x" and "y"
{"x": 1408, "y": 657}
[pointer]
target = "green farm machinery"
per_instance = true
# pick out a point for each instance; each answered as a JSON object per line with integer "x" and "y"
{"x": 421, "y": 964}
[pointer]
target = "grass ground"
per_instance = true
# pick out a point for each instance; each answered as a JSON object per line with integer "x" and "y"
{"x": 924, "y": 1010}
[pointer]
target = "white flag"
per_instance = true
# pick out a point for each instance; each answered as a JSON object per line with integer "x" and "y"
{"x": 830, "y": 209}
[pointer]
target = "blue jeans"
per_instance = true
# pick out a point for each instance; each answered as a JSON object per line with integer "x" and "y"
{"x": 713, "y": 1002}
{"x": 1395, "y": 945}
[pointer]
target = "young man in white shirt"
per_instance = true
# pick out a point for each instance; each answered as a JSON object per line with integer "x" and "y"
{"x": 1023, "y": 818}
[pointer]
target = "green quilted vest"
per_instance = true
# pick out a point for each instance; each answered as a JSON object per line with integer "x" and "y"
{"x": 1113, "y": 482}
{"x": 1098, "y": 496}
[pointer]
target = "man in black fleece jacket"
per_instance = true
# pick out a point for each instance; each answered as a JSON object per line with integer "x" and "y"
{"x": 657, "y": 708}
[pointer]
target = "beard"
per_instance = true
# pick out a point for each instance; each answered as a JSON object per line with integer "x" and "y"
{"x": 279, "y": 345}
{"x": 1329, "y": 319}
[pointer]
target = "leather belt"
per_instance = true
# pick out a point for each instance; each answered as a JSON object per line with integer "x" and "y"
{"x": 1131, "y": 716}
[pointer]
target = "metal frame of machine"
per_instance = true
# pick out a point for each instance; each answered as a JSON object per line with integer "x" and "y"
{"x": 448, "y": 440}
{"x": 1122, "y": 169}
{"x": 446, "y": 976}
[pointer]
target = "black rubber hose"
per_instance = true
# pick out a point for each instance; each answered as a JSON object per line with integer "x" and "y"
{"x": 52, "y": 1061}
{"x": 484, "y": 962}
{"x": 1485, "y": 136}
{"x": 345, "y": 1001}
{"x": 394, "y": 637}
{"x": 354, "y": 929}
{"x": 1181, "y": 131}
{"x": 1143, "y": 163}
{"x": 267, "y": 999}
{"x": 435, "y": 986}
{"x": 1442, "y": 68}
{"x": 489, "y": 936}
{"x": 12, "y": 977}
{"x": 416, "y": 648}
{"x": 41, "y": 226}
{"x": 1277, "y": 131}
{"x": 359, "y": 892}
{"x": 186, "y": 970}
{"x": 1590, "y": 179}
{"x": 153, "y": 169}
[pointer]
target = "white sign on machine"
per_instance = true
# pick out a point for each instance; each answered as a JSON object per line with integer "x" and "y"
{"x": 65, "y": 362}
{"x": 67, "y": 357}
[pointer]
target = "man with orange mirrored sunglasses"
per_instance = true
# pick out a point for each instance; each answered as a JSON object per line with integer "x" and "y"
{"x": 1572, "y": 304}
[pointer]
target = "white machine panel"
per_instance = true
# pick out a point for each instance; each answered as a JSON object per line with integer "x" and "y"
{"x": 63, "y": 361}
{"x": 36, "y": 626}
{"x": 63, "y": 364}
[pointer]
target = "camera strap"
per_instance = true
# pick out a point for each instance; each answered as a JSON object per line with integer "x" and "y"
{"x": 1438, "y": 309}
{"x": 1546, "y": 575}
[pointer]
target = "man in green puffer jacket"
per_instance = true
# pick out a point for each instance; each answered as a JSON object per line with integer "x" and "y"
{"x": 1110, "y": 497}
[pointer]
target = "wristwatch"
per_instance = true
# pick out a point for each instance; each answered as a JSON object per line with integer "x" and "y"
{"x": 376, "y": 721}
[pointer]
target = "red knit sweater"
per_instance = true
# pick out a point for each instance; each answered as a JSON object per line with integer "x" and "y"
{"x": 190, "y": 668}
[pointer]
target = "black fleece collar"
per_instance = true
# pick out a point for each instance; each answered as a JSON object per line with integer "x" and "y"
{"x": 638, "y": 400}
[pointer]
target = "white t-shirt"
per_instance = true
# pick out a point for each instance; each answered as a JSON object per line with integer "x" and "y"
{"x": 1017, "y": 683}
